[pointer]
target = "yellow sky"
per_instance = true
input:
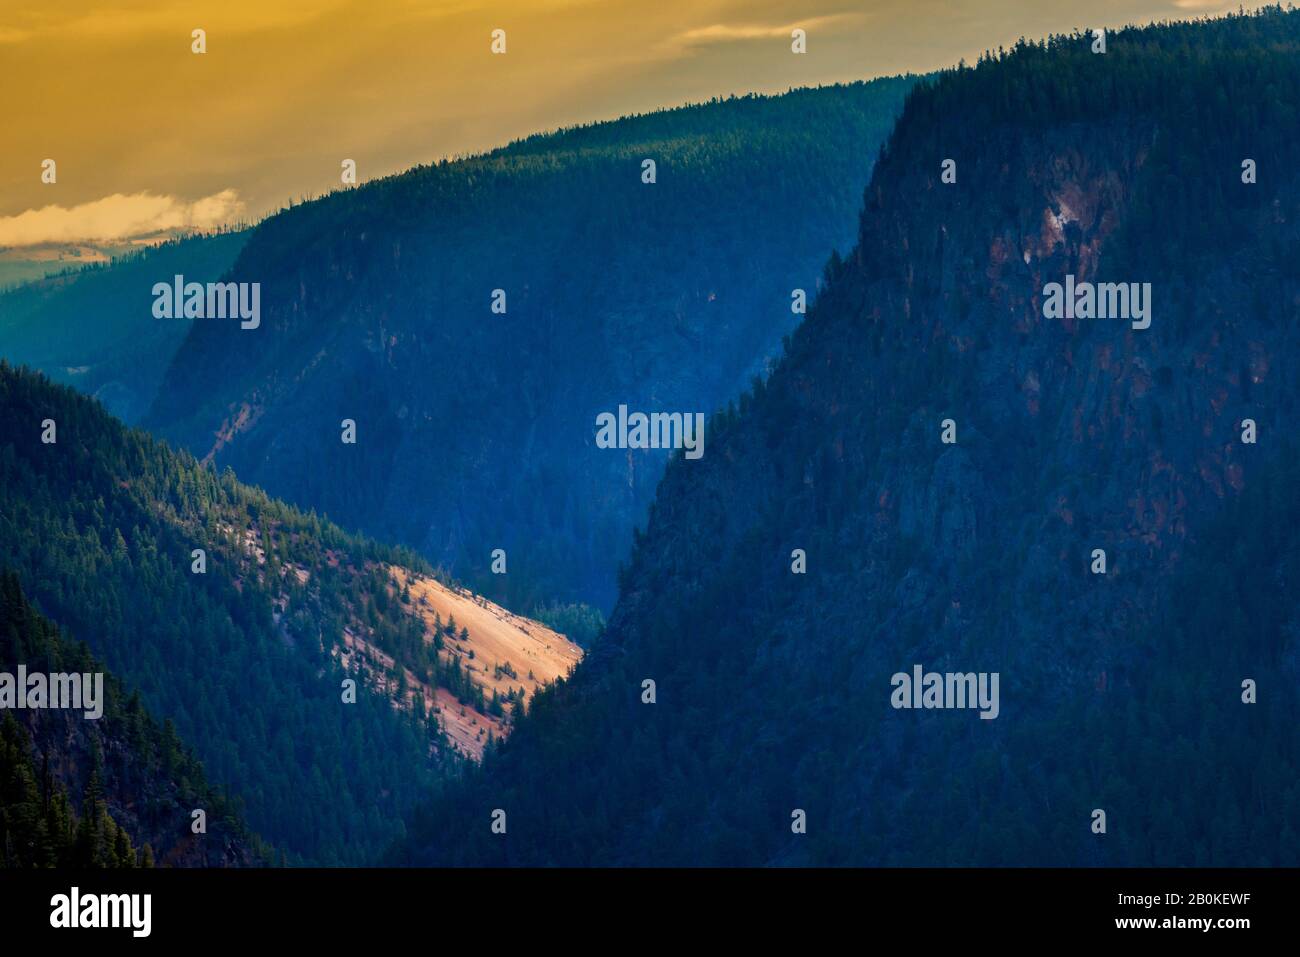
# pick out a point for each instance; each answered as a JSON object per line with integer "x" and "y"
{"x": 148, "y": 135}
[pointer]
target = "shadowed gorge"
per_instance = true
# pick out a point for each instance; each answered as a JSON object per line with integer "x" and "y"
{"x": 476, "y": 429}
{"x": 1120, "y": 691}
{"x": 618, "y": 459}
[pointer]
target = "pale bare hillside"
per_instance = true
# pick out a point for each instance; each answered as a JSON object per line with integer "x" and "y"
{"x": 499, "y": 651}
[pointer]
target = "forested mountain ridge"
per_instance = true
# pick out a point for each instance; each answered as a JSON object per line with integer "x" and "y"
{"x": 476, "y": 429}
{"x": 1123, "y": 691}
{"x": 240, "y": 619}
{"x": 117, "y": 790}
{"x": 93, "y": 328}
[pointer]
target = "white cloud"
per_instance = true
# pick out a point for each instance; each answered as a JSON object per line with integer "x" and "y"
{"x": 120, "y": 217}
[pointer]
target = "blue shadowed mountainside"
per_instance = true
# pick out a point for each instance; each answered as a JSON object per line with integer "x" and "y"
{"x": 476, "y": 429}
{"x": 1124, "y": 692}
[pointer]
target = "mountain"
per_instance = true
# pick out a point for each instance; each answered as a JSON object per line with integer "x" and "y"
{"x": 94, "y": 328}
{"x": 20, "y": 265}
{"x": 1161, "y": 692}
{"x": 324, "y": 681}
{"x": 115, "y": 790}
{"x": 476, "y": 428}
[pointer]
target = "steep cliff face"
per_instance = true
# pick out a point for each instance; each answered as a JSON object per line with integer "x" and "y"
{"x": 1118, "y": 691}
{"x": 476, "y": 428}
